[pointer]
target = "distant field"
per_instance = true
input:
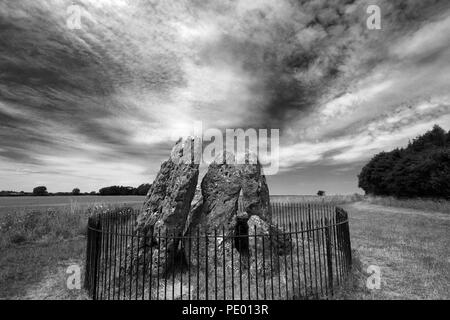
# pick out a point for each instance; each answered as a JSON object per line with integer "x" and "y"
{"x": 55, "y": 201}
{"x": 21, "y": 204}
{"x": 331, "y": 199}
{"x": 12, "y": 204}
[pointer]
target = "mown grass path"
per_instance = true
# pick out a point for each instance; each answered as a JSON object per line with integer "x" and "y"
{"x": 412, "y": 248}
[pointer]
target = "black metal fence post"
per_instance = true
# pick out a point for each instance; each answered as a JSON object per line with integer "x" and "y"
{"x": 329, "y": 255}
{"x": 89, "y": 255}
{"x": 97, "y": 241}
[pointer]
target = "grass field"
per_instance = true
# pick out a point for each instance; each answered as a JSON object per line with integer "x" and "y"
{"x": 38, "y": 244}
{"x": 21, "y": 204}
{"x": 38, "y": 270}
{"x": 331, "y": 199}
{"x": 419, "y": 204}
{"x": 412, "y": 247}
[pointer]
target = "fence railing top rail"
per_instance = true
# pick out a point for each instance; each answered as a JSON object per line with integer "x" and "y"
{"x": 339, "y": 217}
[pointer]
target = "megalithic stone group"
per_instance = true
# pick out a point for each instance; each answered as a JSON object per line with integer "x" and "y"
{"x": 176, "y": 206}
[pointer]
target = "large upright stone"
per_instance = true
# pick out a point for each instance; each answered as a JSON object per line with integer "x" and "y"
{"x": 255, "y": 192}
{"x": 215, "y": 210}
{"x": 195, "y": 213}
{"x": 168, "y": 201}
{"x": 220, "y": 191}
{"x": 221, "y": 187}
{"x": 277, "y": 241}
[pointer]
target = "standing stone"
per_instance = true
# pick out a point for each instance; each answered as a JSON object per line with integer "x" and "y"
{"x": 266, "y": 239}
{"x": 255, "y": 192}
{"x": 221, "y": 187}
{"x": 279, "y": 241}
{"x": 220, "y": 191}
{"x": 168, "y": 201}
{"x": 195, "y": 213}
{"x": 214, "y": 210}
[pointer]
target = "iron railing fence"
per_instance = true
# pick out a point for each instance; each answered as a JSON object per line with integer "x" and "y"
{"x": 309, "y": 258}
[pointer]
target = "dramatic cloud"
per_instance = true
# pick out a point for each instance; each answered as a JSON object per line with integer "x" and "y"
{"x": 102, "y": 104}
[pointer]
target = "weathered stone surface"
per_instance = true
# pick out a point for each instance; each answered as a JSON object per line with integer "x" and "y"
{"x": 168, "y": 201}
{"x": 255, "y": 192}
{"x": 195, "y": 213}
{"x": 266, "y": 245}
{"x": 220, "y": 190}
{"x": 214, "y": 210}
{"x": 176, "y": 206}
{"x": 217, "y": 208}
{"x": 273, "y": 237}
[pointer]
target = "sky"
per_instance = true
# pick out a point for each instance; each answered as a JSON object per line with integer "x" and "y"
{"x": 103, "y": 104}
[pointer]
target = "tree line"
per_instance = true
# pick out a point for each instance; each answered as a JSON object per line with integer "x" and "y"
{"x": 125, "y": 191}
{"x": 422, "y": 169}
{"x": 141, "y": 190}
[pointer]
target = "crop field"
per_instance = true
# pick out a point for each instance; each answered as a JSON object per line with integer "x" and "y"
{"x": 18, "y": 204}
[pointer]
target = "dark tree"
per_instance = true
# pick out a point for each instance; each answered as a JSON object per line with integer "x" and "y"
{"x": 143, "y": 189}
{"x": 422, "y": 169}
{"x": 320, "y": 193}
{"x": 76, "y": 192}
{"x": 40, "y": 191}
{"x": 117, "y": 191}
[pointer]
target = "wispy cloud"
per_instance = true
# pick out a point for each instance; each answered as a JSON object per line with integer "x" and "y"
{"x": 103, "y": 104}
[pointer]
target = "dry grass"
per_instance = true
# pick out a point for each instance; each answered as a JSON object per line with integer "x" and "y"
{"x": 24, "y": 266}
{"x": 61, "y": 203}
{"x": 45, "y": 225}
{"x": 53, "y": 286}
{"x": 35, "y": 244}
{"x": 419, "y": 204}
{"x": 411, "y": 247}
{"x": 331, "y": 199}
{"x": 42, "y": 226}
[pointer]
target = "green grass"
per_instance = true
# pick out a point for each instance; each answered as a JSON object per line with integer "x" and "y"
{"x": 412, "y": 248}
